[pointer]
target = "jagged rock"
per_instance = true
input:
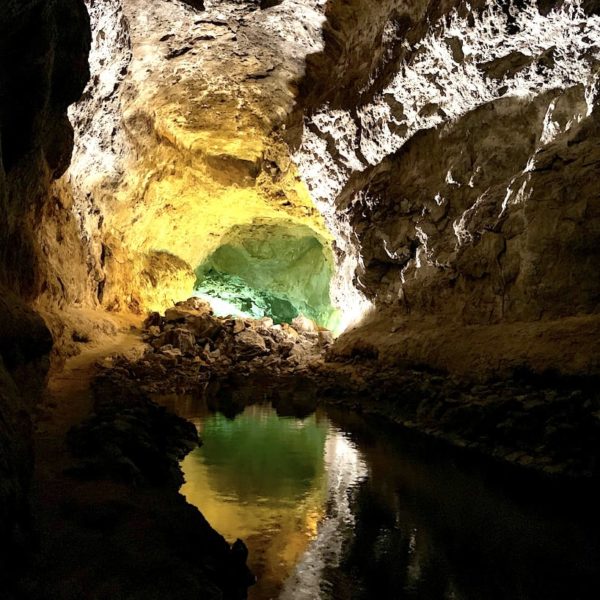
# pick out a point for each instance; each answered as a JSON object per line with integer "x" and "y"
{"x": 290, "y": 331}
{"x": 198, "y": 305}
{"x": 181, "y": 339}
{"x": 250, "y": 343}
{"x": 176, "y": 315}
{"x": 204, "y": 326}
{"x": 154, "y": 319}
{"x": 326, "y": 337}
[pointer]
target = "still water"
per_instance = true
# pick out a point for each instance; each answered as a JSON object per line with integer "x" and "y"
{"x": 335, "y": 506}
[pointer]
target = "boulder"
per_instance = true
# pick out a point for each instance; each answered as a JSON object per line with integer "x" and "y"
{"x": 325, "y": 337}
{"x": 175, "y": 314}
{"x": 195, "y": 304}
{"x": 289, "y": 330}
{"x": 204, "y": 326}
{"x": 250, "y": 343}
{"x": 182, "y": 339}
{"x": 302, "y": 323}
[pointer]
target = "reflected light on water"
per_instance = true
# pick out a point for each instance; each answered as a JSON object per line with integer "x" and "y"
{"x": 333, "y": 507}
{"x": 280, "y": 484}
{"x": 345, "y": 468}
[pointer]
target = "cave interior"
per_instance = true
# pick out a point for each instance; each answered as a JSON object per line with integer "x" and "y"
{"x": 334, "y": 263}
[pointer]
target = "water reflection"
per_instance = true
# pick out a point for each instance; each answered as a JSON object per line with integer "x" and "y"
{"x": 335, "y": 507}
{"x": 281, "y": 484}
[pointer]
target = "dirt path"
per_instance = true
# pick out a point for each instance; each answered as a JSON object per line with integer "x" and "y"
{"x": 68, "y": 399}
{"x": 57, "y": 498}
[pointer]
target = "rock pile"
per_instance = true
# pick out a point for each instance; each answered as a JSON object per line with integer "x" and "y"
{"x": 189, "y": 345}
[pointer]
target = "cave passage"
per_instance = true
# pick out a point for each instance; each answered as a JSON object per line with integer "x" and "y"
{"x": 278, "y": 270}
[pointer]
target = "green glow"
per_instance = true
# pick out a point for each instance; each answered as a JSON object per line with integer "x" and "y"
{"x": 274, "y": 270}
{"x": 280, "y": 458}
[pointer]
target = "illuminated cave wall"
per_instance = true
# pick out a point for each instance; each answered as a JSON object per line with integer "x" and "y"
{"x": 271, "y": 269}
{"x": 181, "y": 141}
{"x": 453, "y": 151}
{"x": 464, "y": 161}
{"x": 444, "y": 152}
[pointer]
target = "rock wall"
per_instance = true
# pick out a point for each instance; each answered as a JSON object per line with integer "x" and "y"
{"x": 450, "y": 150}
{"x": 173, "y": 150}
{"x": 458, "y": 164}
{"x": 43, "y": 68}
{"x": 448, "y": 147}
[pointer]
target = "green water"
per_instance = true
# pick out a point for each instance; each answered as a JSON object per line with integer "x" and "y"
{"x": 267, "y": 456}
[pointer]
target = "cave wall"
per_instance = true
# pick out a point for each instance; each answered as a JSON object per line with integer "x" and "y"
{"x": 461, "y": 176}
{"x": 448, "y": 148}
{"x": 43, "y": 68}
{"x": 172, "y": 150}
{"x": 448, "y": 152}
{"x": 434, "y": 146}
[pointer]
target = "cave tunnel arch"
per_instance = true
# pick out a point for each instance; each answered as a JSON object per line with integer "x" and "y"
{"x": 270, "y": 268}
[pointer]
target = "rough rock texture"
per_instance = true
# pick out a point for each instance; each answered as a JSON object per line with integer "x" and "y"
{"x": 189, "y": 347}
{"x": 449, "y": 147}
{"x": 549, "y": 422}
{"x": 450, "y": 150}
{"x": 39, "y": 81}
{"x": 173, "y": 149}
{"x": 459, "y": 169}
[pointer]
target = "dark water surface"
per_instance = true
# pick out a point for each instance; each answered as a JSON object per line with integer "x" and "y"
{"x": 336, "y": 506}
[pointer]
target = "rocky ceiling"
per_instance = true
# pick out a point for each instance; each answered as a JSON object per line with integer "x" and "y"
{"x": 443, "y": 154}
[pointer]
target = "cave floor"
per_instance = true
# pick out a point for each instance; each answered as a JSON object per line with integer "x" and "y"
{"x": 103, "y": 537}
{"x": 55, "y": 494}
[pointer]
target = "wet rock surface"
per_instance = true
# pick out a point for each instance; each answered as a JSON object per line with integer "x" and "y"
{"x": 548, "y": 422}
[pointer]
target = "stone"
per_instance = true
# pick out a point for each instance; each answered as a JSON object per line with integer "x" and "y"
{"x": 289, "y": 331}
{"x": 171, "y": 352}
{"x": 181, "y": 339}
{"x": 197, "y": 305}
{"x": 250, "y": 343}
{"x": 175, "y": 314}
{"x": 204, "y": 326}
{"x": 266, "y": 322}
{"x": 304, "y": 324}
{"x": 326, "y": 337}
{"x": 153, "y": 320}
{"x": 154, "y": 330}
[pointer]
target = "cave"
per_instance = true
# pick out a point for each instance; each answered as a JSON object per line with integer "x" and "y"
{"x": 299, "y": 299}
{"x": 272, "y": 270}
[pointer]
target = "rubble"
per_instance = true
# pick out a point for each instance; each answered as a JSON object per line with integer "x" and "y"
{"x": 189, "y": 345}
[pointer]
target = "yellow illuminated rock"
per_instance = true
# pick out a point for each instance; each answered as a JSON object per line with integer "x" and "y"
{"x": 190, "y": 144}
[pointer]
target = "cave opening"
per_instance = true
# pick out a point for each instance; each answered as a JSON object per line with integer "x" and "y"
{"x": 273, "y": 269}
